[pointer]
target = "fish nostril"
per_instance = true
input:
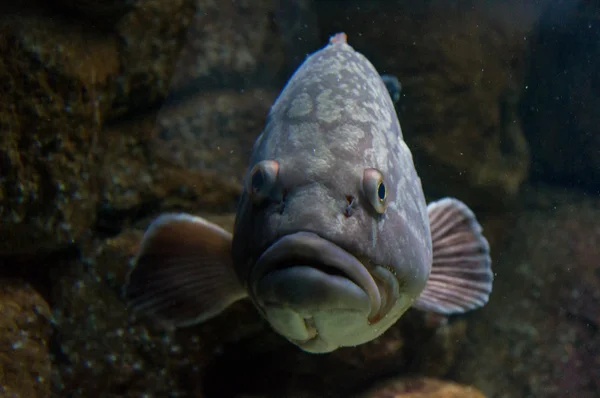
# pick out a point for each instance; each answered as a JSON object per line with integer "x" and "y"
{"x": 349, "y": 206}
{"x": 283, "y": 199}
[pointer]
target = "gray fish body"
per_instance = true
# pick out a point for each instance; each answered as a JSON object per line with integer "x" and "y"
{"x": 333, "y": 240}
{"x": 333, "y": 120}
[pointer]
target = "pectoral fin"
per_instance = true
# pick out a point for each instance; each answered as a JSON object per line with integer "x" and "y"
{"x": 183, "y": 273}
{"x": 461, "y": 274}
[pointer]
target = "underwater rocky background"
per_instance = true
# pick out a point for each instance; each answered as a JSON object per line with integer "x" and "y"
{"x": 116, "y": 111}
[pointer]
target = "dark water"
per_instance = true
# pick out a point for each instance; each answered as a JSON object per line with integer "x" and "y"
{"x": 114, "y": 112}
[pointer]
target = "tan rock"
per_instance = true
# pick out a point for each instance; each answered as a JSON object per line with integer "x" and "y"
{"x": 420, "y": 388}
{"x": 25, "y": 330}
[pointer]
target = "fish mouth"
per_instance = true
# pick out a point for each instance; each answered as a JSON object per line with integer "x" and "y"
{"x": 307, "y": 252}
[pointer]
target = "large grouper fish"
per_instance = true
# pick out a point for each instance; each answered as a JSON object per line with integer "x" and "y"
{"x": 333, "y": 240}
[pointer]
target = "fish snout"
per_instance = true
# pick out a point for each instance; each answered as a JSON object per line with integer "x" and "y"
{"x": 313, "y": 292}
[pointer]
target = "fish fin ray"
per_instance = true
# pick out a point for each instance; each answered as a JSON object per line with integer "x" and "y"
{"x": 183, "y": 273}
{"x": 461, "y": 273}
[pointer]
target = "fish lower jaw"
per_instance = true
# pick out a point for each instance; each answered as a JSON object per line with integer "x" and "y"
{"x": 311, "y": 330}
{"x": 326, "y": 332}
{"x": 314, "y": 343}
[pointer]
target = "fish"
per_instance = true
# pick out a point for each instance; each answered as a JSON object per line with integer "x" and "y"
{"x": 333, "y": 239}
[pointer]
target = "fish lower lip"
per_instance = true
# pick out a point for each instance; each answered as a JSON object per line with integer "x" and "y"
{"x": 309, "y": 248}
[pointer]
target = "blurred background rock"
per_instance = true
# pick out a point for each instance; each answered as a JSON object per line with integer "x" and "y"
{"x": 115, "y": 111}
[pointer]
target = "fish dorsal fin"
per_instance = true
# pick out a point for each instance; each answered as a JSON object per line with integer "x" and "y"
{"x": 461, "y": 274}
{"x": 183, "y": 273}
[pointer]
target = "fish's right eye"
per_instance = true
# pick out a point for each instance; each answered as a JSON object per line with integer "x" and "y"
{"x": 258, "y": 180}
{"x": 262, "y": 180}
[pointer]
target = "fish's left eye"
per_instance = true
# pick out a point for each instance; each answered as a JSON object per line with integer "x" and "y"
{"x": 262, "y": 179}
{"x": 374, "y": 189}
{"x": 381, "y": 192}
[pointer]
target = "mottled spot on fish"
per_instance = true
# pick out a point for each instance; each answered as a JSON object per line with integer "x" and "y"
{"x": 353, "y": 135}
{"x": 301, "y": 106}
{"x": 358, "y": 112}
{"x": 298, "y": 132}
{"x": 327, "y": 108}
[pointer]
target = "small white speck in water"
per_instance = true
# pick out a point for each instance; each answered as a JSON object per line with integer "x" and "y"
{"x": 17, "y": 345}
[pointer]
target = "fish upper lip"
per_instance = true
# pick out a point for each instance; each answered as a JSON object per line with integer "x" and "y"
{"x": 310, "y": 246}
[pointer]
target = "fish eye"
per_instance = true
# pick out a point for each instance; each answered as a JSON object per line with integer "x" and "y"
{"x": 258, "y": 180}
{"x": 262, "y": 179}
{"x": 374, "y": 189}
{"x": 381, "y": 191}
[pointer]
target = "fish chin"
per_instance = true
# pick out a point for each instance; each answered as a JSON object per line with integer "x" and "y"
{"x": 314, "y": 293}
{"x": 323, "y": 331}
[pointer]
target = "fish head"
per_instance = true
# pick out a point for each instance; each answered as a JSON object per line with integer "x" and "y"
{"x": 331, "y": 236}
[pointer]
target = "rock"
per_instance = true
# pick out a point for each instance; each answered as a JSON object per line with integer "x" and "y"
{"x": 214, "y": 130}
{"x": 53, "y": 76}
{"x": 159, "y": 47}
{"x": 151, "y": 36}
{"x": 230, "y": 45}
{"x": 103, "y": 13}
{"x": 25, "y": 330}
{"x": 177, "y": 48}
{"x": 102, "y": 351}
{"x": 420, "y": 388}
{"x": 461, "y": 71}
{"x": 267, "y": 363}
{"x": 560, "y": 105}
{"x": 542, "y": 321}
{"x": 192, "y": 157}
{"x": 65, "y": 79}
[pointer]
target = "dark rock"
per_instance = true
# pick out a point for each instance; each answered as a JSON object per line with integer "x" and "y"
{"x": 150, "y": 37}
{"x": 177, "y": 48}
{"x": 214, "y": 130}
{"x": 101, "y": 352}
{"x": 63, "y": 79}
{"x": 230, "y": 45}
{"x": 560, "y": 105}
{"x": 191, "y": 157}
{"x": 104, "y": 13}
{"x": 52, "y": 77}
{"x": 269, "y": 364}
{"x": 542, "y": 321}
{"x": 25, "y": 329}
